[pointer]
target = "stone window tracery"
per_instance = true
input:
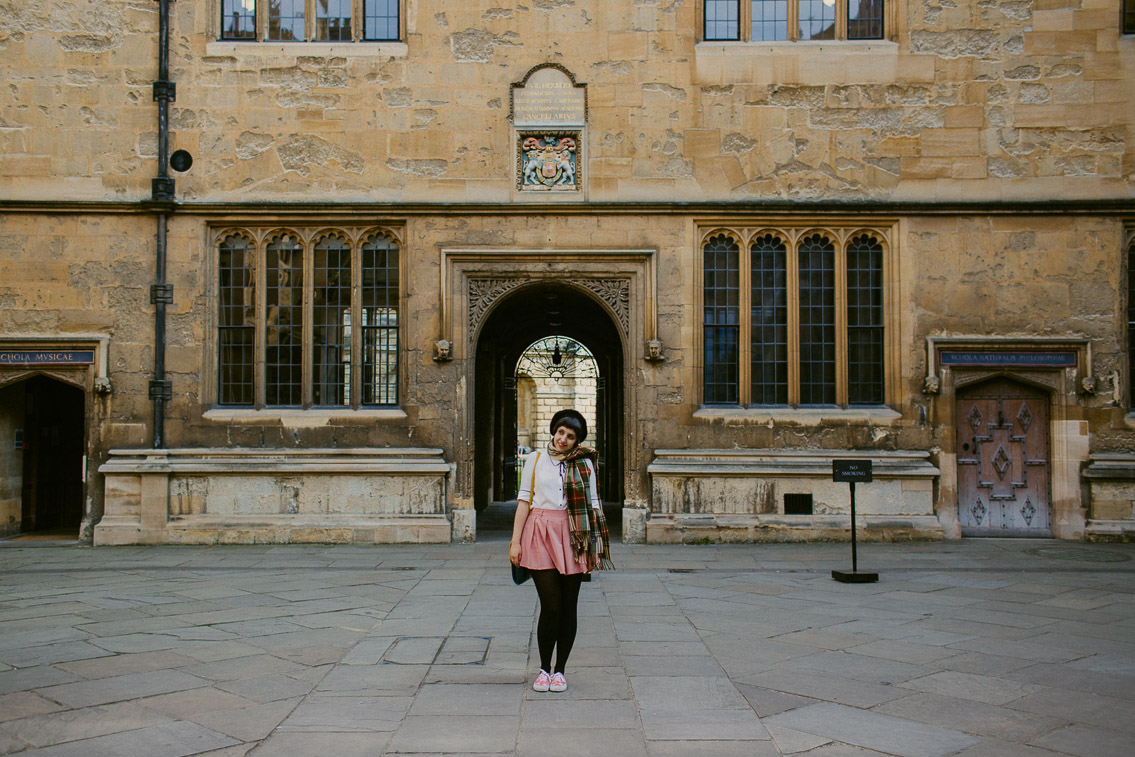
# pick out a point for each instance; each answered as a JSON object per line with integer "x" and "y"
{"x": 793, "y": 20}
{"x": 797, "y": 322}
{"x": 307, "y": 318}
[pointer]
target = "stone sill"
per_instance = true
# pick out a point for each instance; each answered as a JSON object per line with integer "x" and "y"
{"x": 802, "y": 47}
{"x": 388, "y": 460}
{"x": 1111, "y": 465}
{"x": 807, "y": 463}
{"x": 808, "y": 416}
{"x": 294, "y": 418}
{"x": 306, "y": 49}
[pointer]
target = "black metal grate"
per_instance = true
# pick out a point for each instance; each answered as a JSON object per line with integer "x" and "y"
{"x": 797, "y": 504}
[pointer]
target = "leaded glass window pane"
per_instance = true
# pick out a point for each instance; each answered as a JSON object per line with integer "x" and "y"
{"x": 864, "y": 19}
{"x": 236, "y": 319}
{"x": 817, "y": 321}
{"x": 865, "y": 321}
{"x": 721, "y": 300}
{"x": 333, "y": 20}
{"x": 1129, "y": 16}
{"x": 380, "y": 321}
{"x": 238, "y": 19}
{"x": 722, "y": 21}
{"x": 331, "y": 335}
{"x": 769, "y": 321}
{"x": 284, "y": 332}
{"x": 381, "y": 20}
{"x": 285, "y": 20}
{"x": 817, "y": 19}
{"x": 769, "y": 22}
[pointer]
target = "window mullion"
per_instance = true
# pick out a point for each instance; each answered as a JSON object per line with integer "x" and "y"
{"x": 358, "y": 21}
{"x": 745, "y": 22}
{"x": 261, "y": 20}
{"x": 793, "y": 284}
{"x": 745, "y": 318}
{"x": 841, "y": 368}
{"x": 309, "y": 23}
{"x": 841, "y": 13}
{"x": 793, "y": 23}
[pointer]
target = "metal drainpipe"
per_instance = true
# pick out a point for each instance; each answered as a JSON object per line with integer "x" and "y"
{"x": 161, "y": 293}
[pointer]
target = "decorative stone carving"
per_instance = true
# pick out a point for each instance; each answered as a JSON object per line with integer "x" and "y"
{"x": 442, "y": 350}
{"x": 103, "y": 387}
{"x": 931, "y": 385}
{"x": 483, "y": 293}
{"x": 1089, "y": 385}
{"x": 654, "y": 351}
{"x": 617, "y": 294}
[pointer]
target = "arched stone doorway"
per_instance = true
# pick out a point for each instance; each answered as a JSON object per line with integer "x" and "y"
{"x": 529, "y": 313}
{"x": 42, "y": 428}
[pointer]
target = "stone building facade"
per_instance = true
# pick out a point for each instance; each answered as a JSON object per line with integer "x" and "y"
{"x": 266, "y": 277}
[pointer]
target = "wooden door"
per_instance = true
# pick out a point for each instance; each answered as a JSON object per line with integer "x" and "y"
{"x": 1003, "y": 460}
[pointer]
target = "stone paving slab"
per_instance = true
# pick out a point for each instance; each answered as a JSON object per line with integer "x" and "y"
{"x": 973, "y": 648}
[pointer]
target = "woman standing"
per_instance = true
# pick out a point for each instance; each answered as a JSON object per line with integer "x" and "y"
{"x": 560, "y": 535}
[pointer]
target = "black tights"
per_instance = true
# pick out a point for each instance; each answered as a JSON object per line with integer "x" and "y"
{"x": 559, "y": 595}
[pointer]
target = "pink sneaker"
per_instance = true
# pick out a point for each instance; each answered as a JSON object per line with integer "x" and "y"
{"x": 558, "y": 683}
{"x": 543, "y": 681}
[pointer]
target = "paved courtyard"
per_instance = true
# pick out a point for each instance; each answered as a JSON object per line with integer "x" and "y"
{"x": 995, "y": 647}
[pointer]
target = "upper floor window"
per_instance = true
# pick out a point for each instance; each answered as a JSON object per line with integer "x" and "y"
{"x": 783, "y": 20}
{"x": 793, "y": 318}
{"x": 310, "y": 20}
{"x": 307, "y": 319}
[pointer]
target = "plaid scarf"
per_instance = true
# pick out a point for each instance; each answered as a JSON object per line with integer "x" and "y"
{"x": 589, "y": 538}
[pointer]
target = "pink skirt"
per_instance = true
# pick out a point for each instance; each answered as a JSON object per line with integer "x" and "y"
{"x": 545, "y": 542}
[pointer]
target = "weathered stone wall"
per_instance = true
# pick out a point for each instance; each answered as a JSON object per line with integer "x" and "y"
{"x": 11, "y": 459}
{"x": 996, "y": 99}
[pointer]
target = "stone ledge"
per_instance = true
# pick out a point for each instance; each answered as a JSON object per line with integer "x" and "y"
{"x": 1113, "y": 531}
{"x": 729, "y": 529}
{"x": 408, "y": 460}
{"x": 810, "y": 463}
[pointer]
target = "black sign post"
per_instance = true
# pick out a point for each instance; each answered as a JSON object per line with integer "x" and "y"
{"x": 852, "y": 471}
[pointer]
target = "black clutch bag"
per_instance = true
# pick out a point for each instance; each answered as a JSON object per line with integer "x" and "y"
{"x": 519, "y": 574}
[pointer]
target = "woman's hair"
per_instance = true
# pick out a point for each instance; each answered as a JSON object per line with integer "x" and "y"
{"x": 573, "y": 420}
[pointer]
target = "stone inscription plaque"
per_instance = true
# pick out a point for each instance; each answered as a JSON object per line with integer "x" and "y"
{"x": 548, "y": 98}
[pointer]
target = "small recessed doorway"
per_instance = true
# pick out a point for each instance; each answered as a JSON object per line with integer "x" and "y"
{"x": 545, "y": 347}
{"x": 42, "y": 432}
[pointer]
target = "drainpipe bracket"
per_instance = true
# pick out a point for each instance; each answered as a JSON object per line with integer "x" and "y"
{"x": 165, "y": 90}
{"x": 161, "y": 293}
{"x": 161, "y": 189}
{"x": 161, "y": 389}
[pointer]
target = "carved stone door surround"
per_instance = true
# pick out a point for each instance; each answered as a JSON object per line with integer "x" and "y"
{"x": 1062, "y": 368}
{"x": 474, "y": 280}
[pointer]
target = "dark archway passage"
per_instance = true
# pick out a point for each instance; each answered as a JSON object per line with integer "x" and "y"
{"x": 527, "y": 314}
{"x": 48, "y": 416}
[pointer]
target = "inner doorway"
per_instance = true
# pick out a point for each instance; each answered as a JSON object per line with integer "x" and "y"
{"x": 539, "y": 316}
{"x": 42, "y": 431}
{"x": 1003, "y": 460}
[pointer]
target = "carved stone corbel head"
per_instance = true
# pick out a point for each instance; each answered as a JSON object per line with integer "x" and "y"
{"x": 654, "y": 351}
{"x": 931, "y": 385}
{"x": 442, "y": 351}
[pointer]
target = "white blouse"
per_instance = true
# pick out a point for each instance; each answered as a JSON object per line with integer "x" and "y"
{"x": 550, "y": 482}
